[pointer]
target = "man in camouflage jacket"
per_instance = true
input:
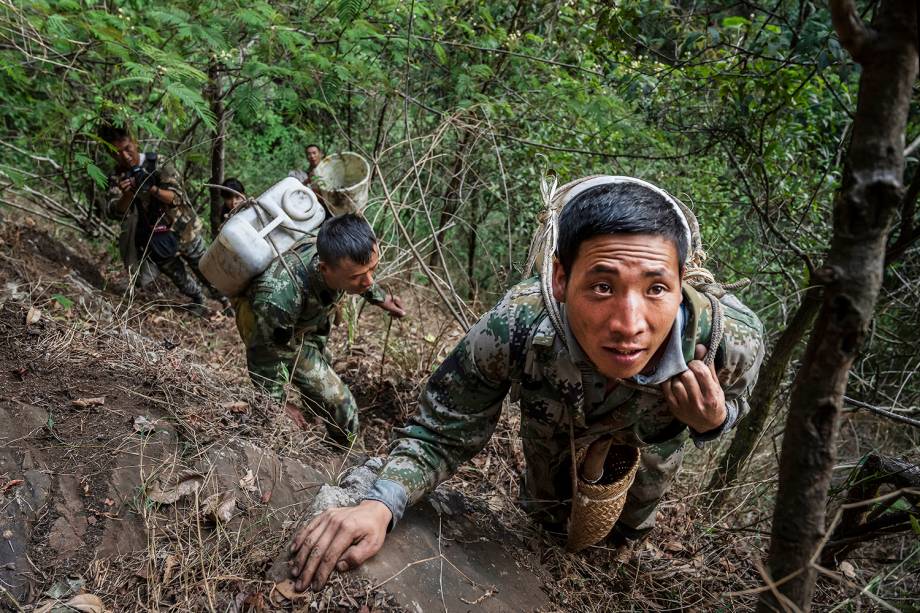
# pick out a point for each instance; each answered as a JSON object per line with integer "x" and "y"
{"x": 285, "y": 317}
{"x": 159, "y": 226}
{"x": 623, "y": 362}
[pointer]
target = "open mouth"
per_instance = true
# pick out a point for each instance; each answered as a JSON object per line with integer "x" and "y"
{"x": 624, "y": 355}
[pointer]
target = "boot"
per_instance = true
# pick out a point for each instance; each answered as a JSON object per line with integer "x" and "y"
{"x": 197, "y": 306}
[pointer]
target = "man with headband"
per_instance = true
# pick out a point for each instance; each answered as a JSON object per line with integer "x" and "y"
{"x": 611, "y": 346}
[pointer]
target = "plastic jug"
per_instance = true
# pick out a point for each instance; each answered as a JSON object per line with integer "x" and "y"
{"x": 253, "y": 237}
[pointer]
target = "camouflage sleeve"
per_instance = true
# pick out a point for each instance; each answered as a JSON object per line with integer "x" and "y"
{"x": 275, "y": 302}
{"x": 168, "y": 178}
{"x": 375, "y": 295}
{"x": 457, "y": 412}
{"x": 740, "y": 355}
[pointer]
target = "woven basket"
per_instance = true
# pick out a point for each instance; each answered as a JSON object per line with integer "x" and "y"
{"x": 597, "y": 506}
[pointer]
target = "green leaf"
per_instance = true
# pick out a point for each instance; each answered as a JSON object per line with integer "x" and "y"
{"x": 97, "y": 175}
{"x": 347, "y": 10}
{"x": 439, "y": 51}
{"x": 734, "y": 22}
{"x": 62, "y": 300}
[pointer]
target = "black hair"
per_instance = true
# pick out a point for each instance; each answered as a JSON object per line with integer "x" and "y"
{"x": 234, "y": 184}
{"x": 618, "y": 208}
{"x": 313, "y": 145}
{"x": 347, "y": 236}
{"x": 112, "y": 134}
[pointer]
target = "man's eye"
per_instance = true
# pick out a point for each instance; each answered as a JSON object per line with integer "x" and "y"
{"x": 602, "y": 288}
{"x": 657, "y": 290}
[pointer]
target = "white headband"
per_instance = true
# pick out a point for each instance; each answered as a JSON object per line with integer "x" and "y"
{"x": 579, "y": 188}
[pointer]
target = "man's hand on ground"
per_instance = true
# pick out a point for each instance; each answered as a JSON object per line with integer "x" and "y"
{"x": 695, "y": 396}
{"x": 294, "y": 412}
{"x": 393, "y": 306}
{"x": 340, "y": 539}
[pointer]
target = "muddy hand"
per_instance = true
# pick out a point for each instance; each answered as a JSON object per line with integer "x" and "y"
{"x": 695, "y": 396}
{"x": 340, "y": 539}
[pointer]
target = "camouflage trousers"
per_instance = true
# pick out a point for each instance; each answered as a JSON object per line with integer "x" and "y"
{"x": 546, "y": 490}
{"x": 307, "y": 365}
{"x": 173, "y": 267}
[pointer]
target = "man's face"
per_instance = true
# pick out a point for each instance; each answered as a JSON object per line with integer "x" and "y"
{"x": 350, "y": 277}
{"x": 125, "y": 153}
{"x": 621, "y": 299}
{"x": 314, "y": 155}
{"x": 233, "y": 201}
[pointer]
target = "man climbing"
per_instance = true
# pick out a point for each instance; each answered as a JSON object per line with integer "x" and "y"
{"x": 162, "y": 226}
{"x": 284, "y": 319}
{"x": 606, "y": 346}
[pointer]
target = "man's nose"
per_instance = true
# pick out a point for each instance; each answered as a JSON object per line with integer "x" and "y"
{"x": 628, "y": 317}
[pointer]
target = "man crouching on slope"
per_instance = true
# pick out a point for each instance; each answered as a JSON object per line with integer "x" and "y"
{"x": 623, "y": 359}
{"x": 286, "y": 315}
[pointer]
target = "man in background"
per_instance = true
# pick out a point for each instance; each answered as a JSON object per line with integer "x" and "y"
{"x": 314, "y": 155}
{"x": 231, "y": 200}
{"x": 159, "y": 225}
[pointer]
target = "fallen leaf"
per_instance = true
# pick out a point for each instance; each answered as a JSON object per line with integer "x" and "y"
{"x": 266, "y": 497}
{"x": 187, "y": 482}
{"x": 144, "y": 425}
{"x": 673, "y": 546}
{"x": 8, "y": 534}
{"x": 248, "y": 482}
{"x": 235, "y": 407}
{"x": 85, "y": 603}
{"x": 108, "y": 502}
{"x": 169, "y": 565}
{"x": 848, "y": 570}
{"x": 33, "y": 316}
{"x": 287, "y": 590}
{"x": 89, "y": 402}
{"x": 10, "y": 485}
{"x": 219, "y": 507}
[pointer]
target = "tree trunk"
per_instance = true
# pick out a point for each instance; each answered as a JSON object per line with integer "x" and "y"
{"x": 863, "y": 212}
{"x": 215, "y": 91}
{"x": 749, "y": 430}
{"x": 451, "y": 196}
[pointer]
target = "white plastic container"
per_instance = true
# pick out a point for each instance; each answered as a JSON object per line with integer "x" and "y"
{"x": 343, "y": 179}
{"x": 252, "y": 238}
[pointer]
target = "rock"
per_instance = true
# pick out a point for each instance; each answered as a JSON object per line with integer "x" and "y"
{"x": 501, "y": 582}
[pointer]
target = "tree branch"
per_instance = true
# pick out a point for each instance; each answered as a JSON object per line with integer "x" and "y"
{"x": 852, "y": 32}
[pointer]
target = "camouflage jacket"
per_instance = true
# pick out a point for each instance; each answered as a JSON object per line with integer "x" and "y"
{"x": 180, "y": 217}
{"x": 278, "y": 311}
{"x": 514, "y": 348}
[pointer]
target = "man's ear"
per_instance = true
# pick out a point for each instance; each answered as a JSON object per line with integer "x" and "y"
{"x": 559, "y": 281}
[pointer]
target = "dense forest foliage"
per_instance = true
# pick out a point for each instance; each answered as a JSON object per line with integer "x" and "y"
{"x": 742, "y": 109}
